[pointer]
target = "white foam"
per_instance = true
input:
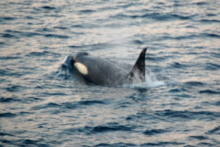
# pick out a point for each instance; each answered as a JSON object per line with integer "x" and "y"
{"x": 153, "y": 82}
{"x": 150, "y": 82}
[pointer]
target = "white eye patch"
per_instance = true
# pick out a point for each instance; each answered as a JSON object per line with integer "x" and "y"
{"x": 81, "y": 68}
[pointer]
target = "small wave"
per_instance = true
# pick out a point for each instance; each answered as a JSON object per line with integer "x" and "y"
{"x": 115, "y": 145}
{"x": 30, "y": 142}
{"x": 5, "y": 134}
{"x": 91, "y": 102}
{"x": 191, "y": 84}
{"x": 121, "y": 144}
{"x": 175, "y": 90}
{"x": 178, "y": 65}
{"x": 6, "y": 35}
{"x": 153, "y": 58}
{"x": 25, "y": 34}
{"x": 154, "y": 132}
{"x": 48, "y": 7}
{"x": 181, "y": 37}
{"x": 87, "y": 11}
{"x": 163, "y": 144}
{"x": 206, "y": 144}
{"x": 217, "y": 103}
{"x": 45, "y": 29}
{"x": 68, "y": 105}
{"x": 7, "y": 18}
{"x": 56, "y": 36}
{"x": 110, "y": 127}
{"x": 11, "y": 73}
{"x": 216, "y": 55}
{"x": 188, "y": 114}
{"x": 216, "y": 130}
{"x": 9, "y": 99}
{"x": 155, "y": 16}
{"x": 29, "y": 17}
{"x": 95, "y": 46}
{"x": 14, "y": 88}
{"x": 85, "y": 103}
{"x": 37, "y": 53}
{"x": 212, "y": 66}
{"x": 8, "y": 142}
{"x": 2, "y": 43}
{"x": 201, "y": 3}
{"x": 54, "y": 93}
{"x": 211, "y": 35}
{"x": 100, "y": 129}
{"x": 43, "y": 106}
{"x": 198, "y": 137}
{"x": 210, "y": 20}
{"x": 172, "y": 113}
{"x": 30, "y": 34}
{"x": 9, "y": 58}
{"x": 85, "y": 25}
{"x": 78, "y": 26}
{"x": 8, "y": 114}
{"x": 208, "y": 91}
{"x": 138, "y": 42}
{"x": 61, "y": 28}
{"x": 75, "y": 46}
{"x": 44, "y": 53}
{"x": 194, "y": 83}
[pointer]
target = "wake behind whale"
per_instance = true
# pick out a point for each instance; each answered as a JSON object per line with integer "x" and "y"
{"x": 99, "y": 71}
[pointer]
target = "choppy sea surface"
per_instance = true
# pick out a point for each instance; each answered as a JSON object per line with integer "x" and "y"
{"x": 41, "y": 107}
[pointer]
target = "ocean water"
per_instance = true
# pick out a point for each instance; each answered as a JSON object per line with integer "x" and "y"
{"x": 178, "y": 106}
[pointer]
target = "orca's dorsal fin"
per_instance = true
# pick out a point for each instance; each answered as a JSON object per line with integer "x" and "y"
{"x": 139, "y": 67}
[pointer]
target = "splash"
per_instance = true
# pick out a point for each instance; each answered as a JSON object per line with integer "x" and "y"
{"x": 64, "y": 68}
{"x": 150, "y": 81}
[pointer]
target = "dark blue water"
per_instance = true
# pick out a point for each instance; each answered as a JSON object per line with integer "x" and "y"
{"x": 40, "y": 107}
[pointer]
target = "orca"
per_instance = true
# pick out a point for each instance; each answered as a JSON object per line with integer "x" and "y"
{"x": 100, "y": 71}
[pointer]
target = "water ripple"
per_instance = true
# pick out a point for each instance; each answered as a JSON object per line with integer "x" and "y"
{"x": 8, "y": 114}
{"x": 100, "y": 129}
{"x": 199, "y": 137}
{"x": 9, "y": 99}
{"x": 48, "y": 7}
{"x": 6, "y": 35}
{"x": 194, "y": 83}
{"x": 155, "y": 16}
{"x": 189, "y": 114}
{"x": 38, "y": 53}
{"x": 40, "y": 107}
{"x": 155, "y": 132}
{"x": 48, "y": 105}
{"x": 90, "y": 102}
{"x": 216, "y": 130}
{"x": 208, "y": 91}
{"x": 56, "y": 36}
